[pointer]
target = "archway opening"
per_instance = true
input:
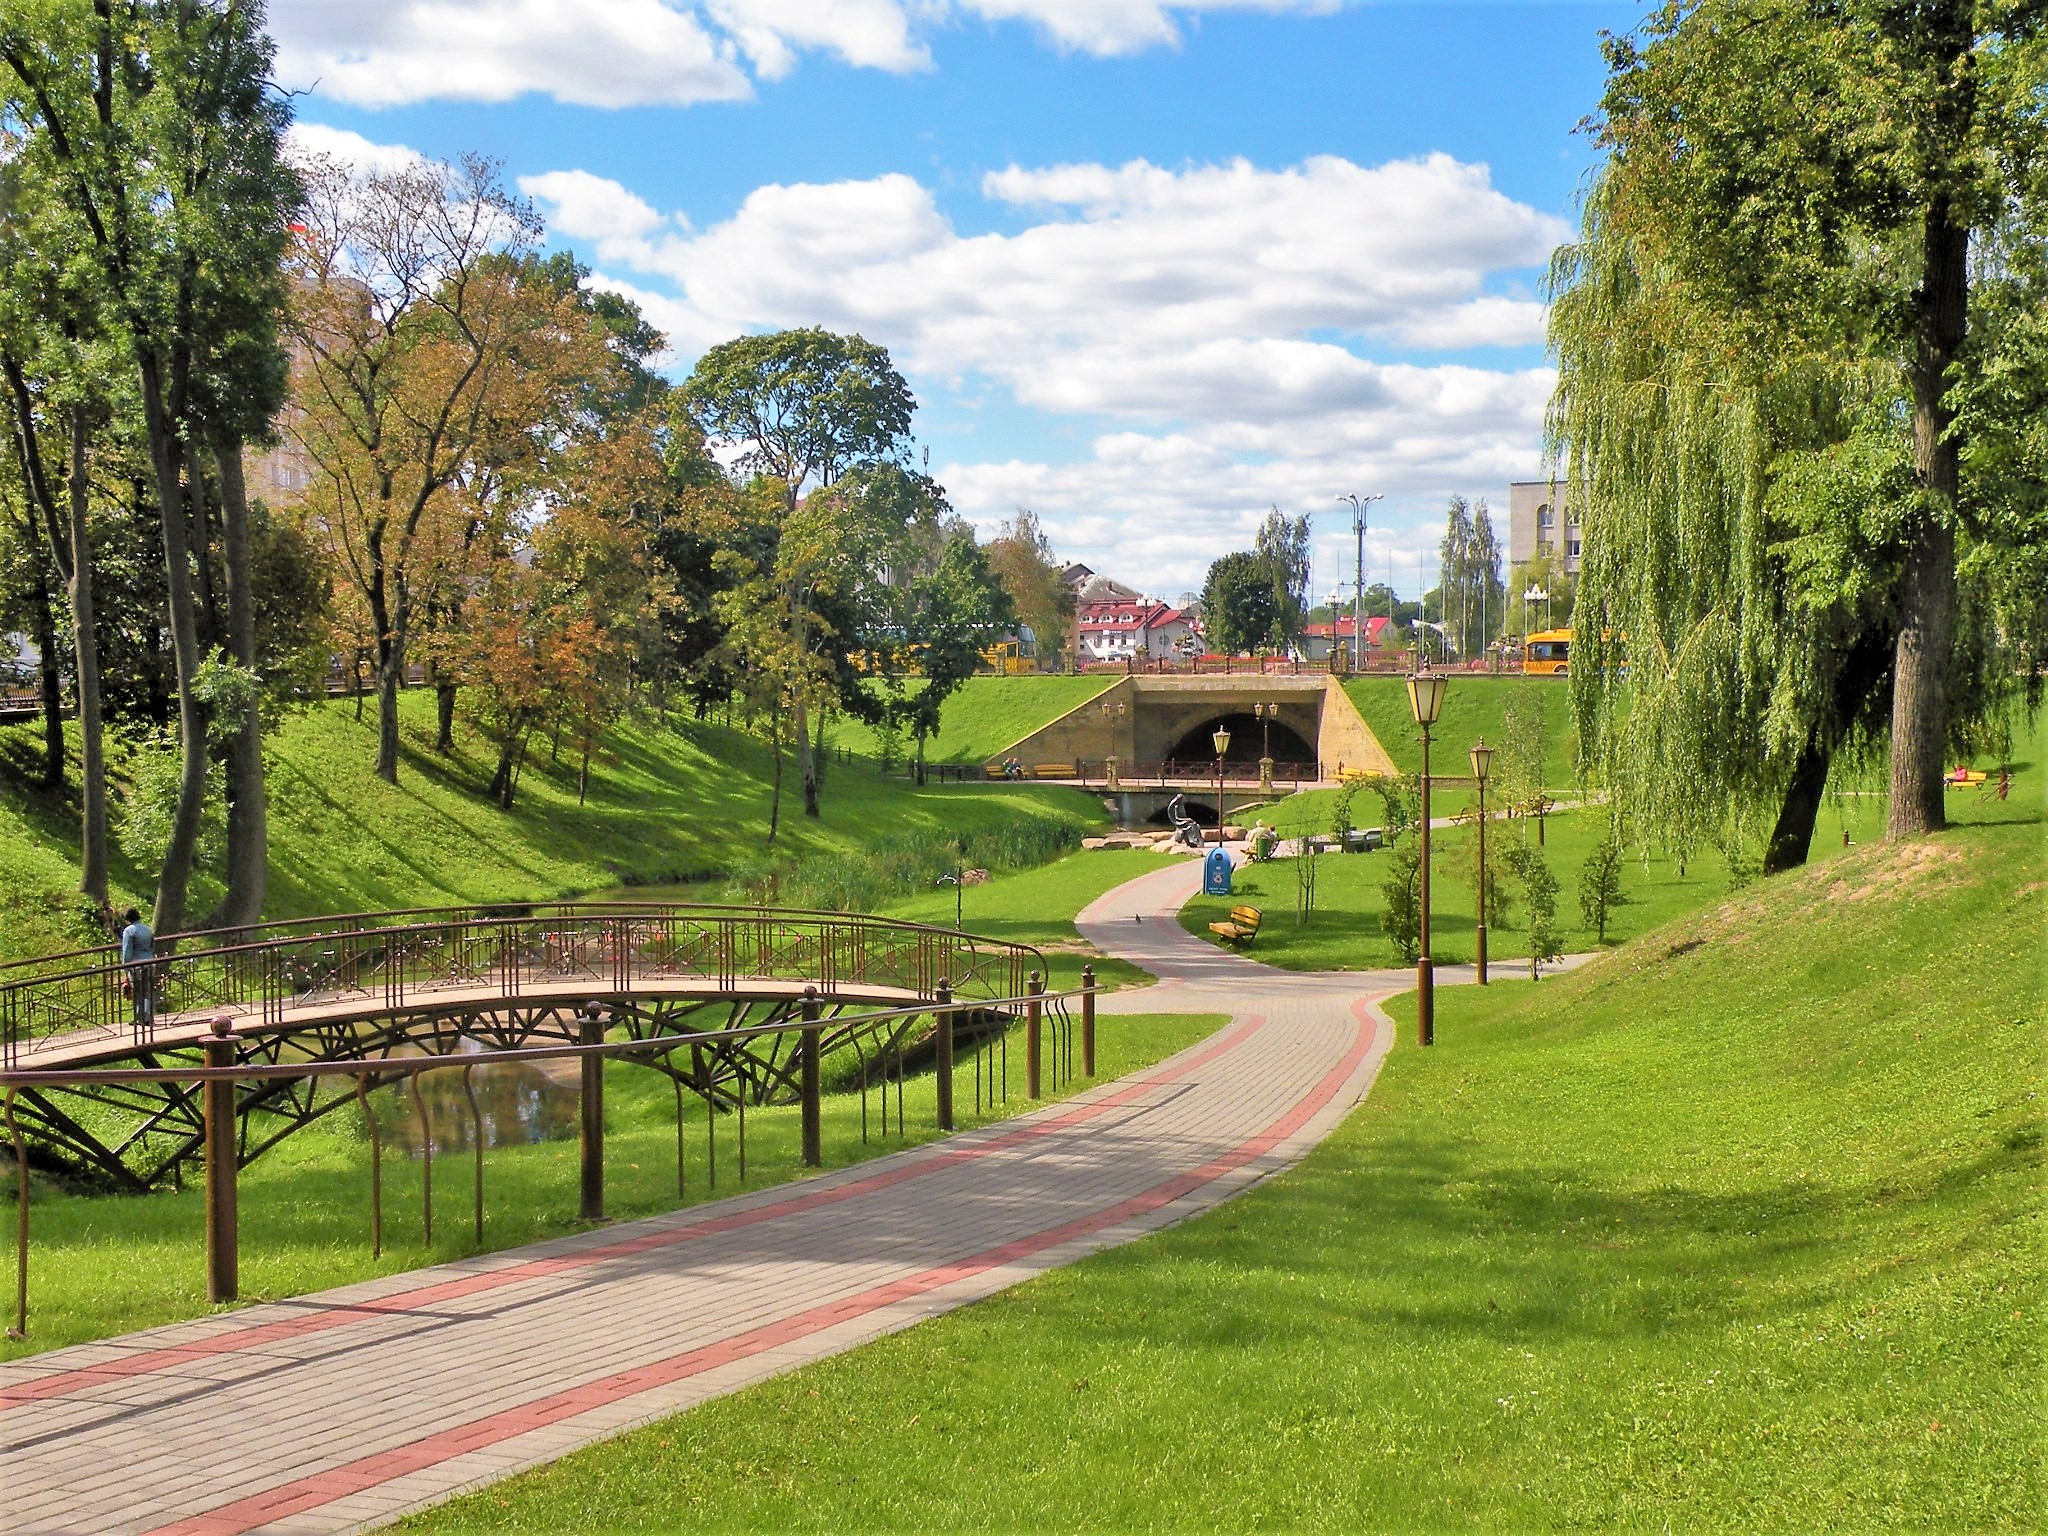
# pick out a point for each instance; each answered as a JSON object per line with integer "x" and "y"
{"x": 1246, "y": 737}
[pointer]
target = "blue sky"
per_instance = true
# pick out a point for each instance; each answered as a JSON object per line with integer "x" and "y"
{"x": 1150, "y": 268}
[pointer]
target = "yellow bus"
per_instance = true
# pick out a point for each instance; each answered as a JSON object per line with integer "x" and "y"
{"x": 1547, "y": 653}
{"x": 1007, "y": 658}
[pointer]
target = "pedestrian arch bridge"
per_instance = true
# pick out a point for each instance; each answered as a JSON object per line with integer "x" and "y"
{"x": 369, "y": 986}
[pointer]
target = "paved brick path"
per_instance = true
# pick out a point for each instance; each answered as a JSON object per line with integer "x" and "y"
{"x": 342, "y": 1409}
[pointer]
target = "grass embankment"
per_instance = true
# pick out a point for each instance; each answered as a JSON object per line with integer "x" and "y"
{"x": 1738, "y": 1229}
{"x": 1475, "y": 705}
{"x": 685, "y": 802}
{"x": 986, "y": 715}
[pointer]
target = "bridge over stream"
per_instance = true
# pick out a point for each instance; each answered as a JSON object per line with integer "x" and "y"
{"x": 716, "y": 998}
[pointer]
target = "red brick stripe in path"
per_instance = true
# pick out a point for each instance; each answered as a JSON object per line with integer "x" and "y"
{"x": 341, "y": 1410}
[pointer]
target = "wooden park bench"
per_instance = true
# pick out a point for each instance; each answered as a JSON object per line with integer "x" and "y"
{"x": 1241, "y": 928}
{"x": 995, "y": 771}
{"x": 1054, "y": 771}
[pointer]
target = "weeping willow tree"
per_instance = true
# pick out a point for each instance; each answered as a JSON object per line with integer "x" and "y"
{"x": 1798, "y": 347}
{"x": 1722, "y": 661}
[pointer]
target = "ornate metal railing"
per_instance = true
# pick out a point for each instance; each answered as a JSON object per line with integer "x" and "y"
{"x": 318, "y": 969}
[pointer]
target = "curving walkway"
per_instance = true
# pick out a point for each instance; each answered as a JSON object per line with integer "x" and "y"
{"x": 340, "y": 1410}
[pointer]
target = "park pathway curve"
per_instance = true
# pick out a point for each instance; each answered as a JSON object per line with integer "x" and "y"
{"x": 341, "y": 1410}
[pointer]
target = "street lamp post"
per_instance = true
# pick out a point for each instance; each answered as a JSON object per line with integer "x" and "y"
{"x": 1111, "y": 713}
{"x": 1264, "y": 713}
{"x": 1222, "y": 743}
{"x": 1426, "y": 701}
{"x": 1358, "y": 506}
{"x": 1482, "y": 756}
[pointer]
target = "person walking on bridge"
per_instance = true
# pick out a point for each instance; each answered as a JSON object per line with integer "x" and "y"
{"x": 138, "y": 954}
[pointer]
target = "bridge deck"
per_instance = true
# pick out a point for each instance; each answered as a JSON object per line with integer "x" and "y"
{"x": 76, "y": 1048}
{"x": 345, "y": 1408}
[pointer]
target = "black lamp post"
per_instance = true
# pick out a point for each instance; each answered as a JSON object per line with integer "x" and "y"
{"x": 1222, "y": 743}
{"x": 1426, "y": 701}
{"x": 1482, "y": 757}
{"x": 1264, "y": 713}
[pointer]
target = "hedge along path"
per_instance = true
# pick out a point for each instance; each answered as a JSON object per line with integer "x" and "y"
{"x": 350, "y": 1407}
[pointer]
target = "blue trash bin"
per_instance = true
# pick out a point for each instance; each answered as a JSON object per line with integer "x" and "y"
{"x": 1216, "y": 870}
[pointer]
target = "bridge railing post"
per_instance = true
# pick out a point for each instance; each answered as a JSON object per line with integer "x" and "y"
{"x": 813, "y": 1096}
{"x": 590, "y": 1031}
{"x": 942, "y": 997}
{"x": 1088, "y": 1021}
{"x": 218, "y": 1098}
{"x": 1034, "y": 1013}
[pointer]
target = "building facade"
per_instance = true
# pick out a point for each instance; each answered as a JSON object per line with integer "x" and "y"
{"x": 1124, "y": 630}
{"x": 1539, "y": 523}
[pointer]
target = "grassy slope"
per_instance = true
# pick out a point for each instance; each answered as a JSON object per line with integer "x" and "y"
{"x": 1740, "y": 1229}
{"x": 684, "y": 802}
{"x": 987, "y": 715}
{"x": 1472, "y": 708}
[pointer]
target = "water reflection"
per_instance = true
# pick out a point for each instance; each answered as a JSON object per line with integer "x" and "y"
{"x": 517, "y": 1102}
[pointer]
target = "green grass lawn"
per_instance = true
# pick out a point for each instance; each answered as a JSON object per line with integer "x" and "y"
{"x": 1344, "y": 934}
{"x": 1028, "y": 906}
{"x": 1738, "y": 1230}
{"x": 1473, "y": 707}
{"x": 107, "y": 1264}
{"x": 685, "y": 802}
{"x": 986, "y": 715}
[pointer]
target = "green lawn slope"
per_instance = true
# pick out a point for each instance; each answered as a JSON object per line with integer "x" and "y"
{"x": 1737, "y": 1229}
{"x": 1474, "y": 706}
{"x": 986, "y": 715}
{"x": 685, "y": 801}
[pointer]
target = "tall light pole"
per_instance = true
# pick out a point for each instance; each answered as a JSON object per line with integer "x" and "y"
{"x": 1263, "y": 713}
{"x": 1426, "y": 702}
{"x": 1482, "y": 756}
{"x": 1222, "y": 743}
{"x": 1358, "y": 506}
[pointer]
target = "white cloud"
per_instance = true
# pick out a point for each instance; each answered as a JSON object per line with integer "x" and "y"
{"x": 379, "y": 53}
{"x": 1213, "y": 328}
{"x": 304, "y": 141}
{"x": 1106, "y": 27}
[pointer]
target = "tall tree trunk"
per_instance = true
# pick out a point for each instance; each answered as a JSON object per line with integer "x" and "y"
{"x": 390, "y": 678}
{"x": 175, "y": 878}
{"x": 444, "y": 711}
{"x": 775, "y": 798}
{"x": 1927, "y": 585}
{"x": 92, "y": 754}
{"x": 52, "y": 673}
{"x": 248, "y": 819}
{"x": 1792, "y": 837}
{"x": 806, "y": 762}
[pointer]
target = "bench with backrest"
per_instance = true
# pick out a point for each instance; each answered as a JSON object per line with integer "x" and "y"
{"x": 1054, "y": 771}
{"x": 1240, "y": 928}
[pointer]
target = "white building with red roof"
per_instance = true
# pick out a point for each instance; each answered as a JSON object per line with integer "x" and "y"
{"x": 1126, "y": 629}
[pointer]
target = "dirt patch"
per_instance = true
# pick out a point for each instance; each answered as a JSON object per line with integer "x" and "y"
{"x": 1916, "y": 868}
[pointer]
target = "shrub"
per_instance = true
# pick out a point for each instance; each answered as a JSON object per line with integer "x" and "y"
{"x": 1600, "y": 886}
{"x": 1401, "y": 912}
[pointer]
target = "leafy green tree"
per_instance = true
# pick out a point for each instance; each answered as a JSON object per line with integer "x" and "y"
{"x": 1539, "y": 894}
{"x": 1021, "y": 557}
{"x": 1282, "y": 547}
{"x": 805, "y": 407}
{"x": 1237, "y": 604}
{"x": 1401, "y": 900}
{"x": 1600, "y": 885}
{"x": 1800, "y": 214}
{"x": 146, "y": 165}
{"x": 951, "y": 613}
